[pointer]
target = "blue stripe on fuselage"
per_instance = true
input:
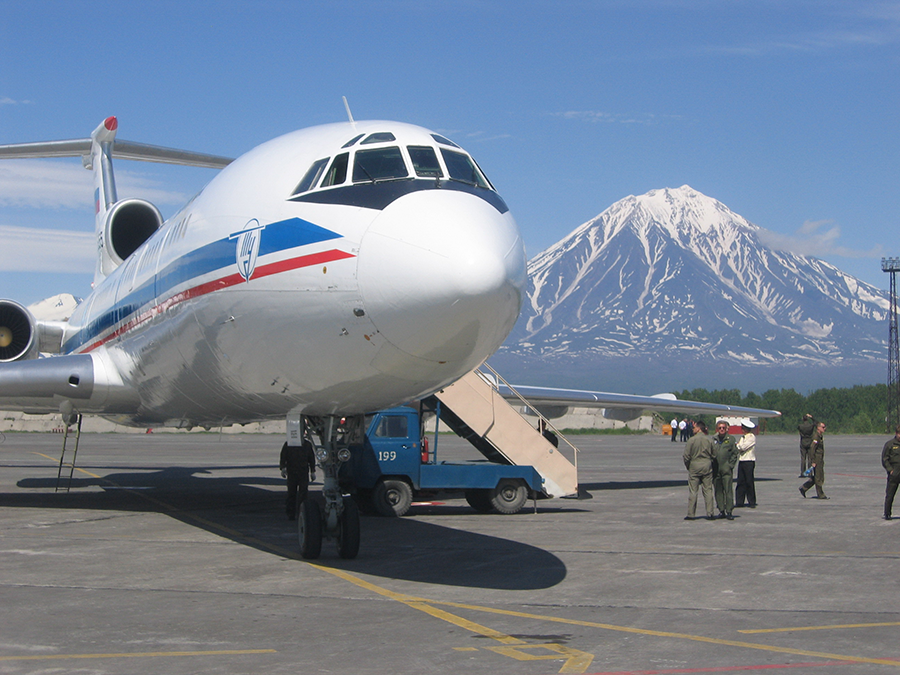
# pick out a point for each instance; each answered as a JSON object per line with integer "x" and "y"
{"x": 217, "y": 255}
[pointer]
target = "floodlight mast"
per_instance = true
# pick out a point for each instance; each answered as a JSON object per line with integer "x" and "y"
{"x": 892, "y": 266}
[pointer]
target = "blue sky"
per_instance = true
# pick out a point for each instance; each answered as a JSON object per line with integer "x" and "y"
{"x": 787, "y": 111}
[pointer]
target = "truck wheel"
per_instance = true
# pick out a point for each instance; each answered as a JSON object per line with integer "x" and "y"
{"x": 348, "y": 535}
{"x": 509, "y": 496}
{"x": 480, "y": 500}
{"x": 392, "y": 497}
{"x": 309, "y": 527}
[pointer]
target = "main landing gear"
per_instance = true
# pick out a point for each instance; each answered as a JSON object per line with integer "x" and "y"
{"x": 338, "y": 519}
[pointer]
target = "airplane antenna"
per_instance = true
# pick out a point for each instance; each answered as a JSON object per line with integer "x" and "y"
{"x": 349, "y": 114}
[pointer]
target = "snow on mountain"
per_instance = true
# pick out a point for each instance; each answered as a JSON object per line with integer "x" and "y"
{"x": 674, "y": 273}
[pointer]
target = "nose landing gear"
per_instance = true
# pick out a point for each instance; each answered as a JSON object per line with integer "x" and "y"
{"x": 338, "y": 519}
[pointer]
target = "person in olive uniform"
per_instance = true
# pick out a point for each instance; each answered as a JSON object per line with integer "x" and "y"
{"x": 298, "y": 465}
{"x": 890, "y": 460}
{"x": 698, "y": 458}
{"x": 806, "y": 428}
{"x": 817, "y": 462}
{"x": 726, "y": 455}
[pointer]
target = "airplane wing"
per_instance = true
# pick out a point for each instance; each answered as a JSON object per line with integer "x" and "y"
{"x": 121, "y": 149}
{"x": 623, "y": 406}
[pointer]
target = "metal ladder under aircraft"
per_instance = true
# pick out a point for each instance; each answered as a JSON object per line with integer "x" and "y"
{"x": 475, "y": 410}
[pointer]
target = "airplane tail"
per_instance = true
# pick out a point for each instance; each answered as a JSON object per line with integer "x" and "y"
{"x": 121, "y": 226}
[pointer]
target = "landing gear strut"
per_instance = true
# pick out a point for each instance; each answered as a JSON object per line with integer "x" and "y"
{"x": 338, "y": 519}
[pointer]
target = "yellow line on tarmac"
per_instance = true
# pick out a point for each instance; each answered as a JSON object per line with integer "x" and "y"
{"x": 681, "y": 636}
{"x": 425, "y": 605}
{"x": 136, "y": 655}
{"x": 833, "y": 627}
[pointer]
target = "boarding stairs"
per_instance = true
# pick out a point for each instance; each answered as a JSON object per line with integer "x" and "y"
{"x": 474, "y": 409}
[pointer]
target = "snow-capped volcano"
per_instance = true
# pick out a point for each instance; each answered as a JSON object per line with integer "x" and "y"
{"x": 674, "y": 273}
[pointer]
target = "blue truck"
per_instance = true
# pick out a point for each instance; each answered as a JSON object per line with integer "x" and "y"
{"x": 396, "y": 464}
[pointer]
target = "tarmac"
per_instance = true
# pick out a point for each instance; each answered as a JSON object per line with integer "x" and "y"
{"x": 172, "y": 553}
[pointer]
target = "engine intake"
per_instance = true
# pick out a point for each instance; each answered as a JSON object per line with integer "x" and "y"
{"x": 18, "y": 333}
{"x": 129, "y": 224}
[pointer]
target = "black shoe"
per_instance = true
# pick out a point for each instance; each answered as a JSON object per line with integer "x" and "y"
{"x": 887, "y": 517}
{"x": 752, "y": 506}
{"x": 689, "y": 517}
{"x": 721, "y": 514}
{"x": 802, "y": 492}
{"x": 729, "y": 517}
{"x": 711, "y": 518}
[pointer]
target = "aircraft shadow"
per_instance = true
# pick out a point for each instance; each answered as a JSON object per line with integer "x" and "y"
{"x": 243, "y": 510}
{"x": 647, "y": 484}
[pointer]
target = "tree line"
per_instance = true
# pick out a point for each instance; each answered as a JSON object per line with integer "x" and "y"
{"x": 861, "y": 409}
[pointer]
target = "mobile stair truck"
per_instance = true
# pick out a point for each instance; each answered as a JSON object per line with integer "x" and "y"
{"x": 396, "y": 464}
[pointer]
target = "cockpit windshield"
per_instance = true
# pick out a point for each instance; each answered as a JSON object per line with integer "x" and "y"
{"x": 380, "y": 164}
{"x": 461, "y": 167}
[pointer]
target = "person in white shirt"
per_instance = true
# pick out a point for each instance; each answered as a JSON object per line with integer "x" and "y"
{"x": 674, "y": 429}
{"x": 746, "y": 489}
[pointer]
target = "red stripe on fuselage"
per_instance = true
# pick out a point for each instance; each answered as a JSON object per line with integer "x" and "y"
{"x": 219, "y": 284}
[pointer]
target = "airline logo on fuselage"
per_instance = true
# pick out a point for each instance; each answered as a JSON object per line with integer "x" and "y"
{"x": 247, "y": 249}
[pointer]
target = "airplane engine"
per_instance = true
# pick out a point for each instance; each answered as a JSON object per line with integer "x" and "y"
{"x": 18, "y": 333}
{"x": 129, "y": 224}
{"x": 622, "y": 414}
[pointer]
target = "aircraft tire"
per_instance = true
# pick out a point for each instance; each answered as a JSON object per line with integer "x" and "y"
{"x": 480, "y": 500}
{"x": 509, "y": 496}
{"x": 392, "y": 497}
{"x": 309, "y": 529}
{"x": 348, "y": 537}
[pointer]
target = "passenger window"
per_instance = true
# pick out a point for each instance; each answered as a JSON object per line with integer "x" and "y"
{"x": 312, "y": 176}
{"x": 461, "y": 167}
{"x": 337, "y": 174}
{"x": 392, "y": 426}
{"x": 425, "y": 161}
{"x": 380, "y": 137}
{"x": 380, "y": 164}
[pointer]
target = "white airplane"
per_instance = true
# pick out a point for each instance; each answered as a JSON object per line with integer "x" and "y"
{"x": 325, "y": 274}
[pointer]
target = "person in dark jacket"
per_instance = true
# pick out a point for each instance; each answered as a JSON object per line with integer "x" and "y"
{"x": 806, "y": 428}
{"x": 817, "y": 463}
{"x": 890, "y": 460}
{"x": 726, "y": 456}
{"x": 298, "y": 465}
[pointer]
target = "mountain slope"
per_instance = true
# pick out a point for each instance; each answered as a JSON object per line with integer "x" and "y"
{"x": 676, "y": 274}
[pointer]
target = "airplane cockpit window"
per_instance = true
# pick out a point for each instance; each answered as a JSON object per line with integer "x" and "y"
{"x": 380, "y": 137}
{"x": 337, "y": 174}
{"x": 444, "y": 141}
{"x": 352, "y": 141}
{"x": 461, "y": 167}
{"x": 425, "y": 161}
{"x": 312, "y": 176}
{"x": 379, "y": 164}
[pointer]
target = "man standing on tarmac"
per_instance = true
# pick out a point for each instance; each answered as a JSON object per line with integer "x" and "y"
{"x": 726, "y": 455}
{"x": 890, "y": 460}
{"x": 698, "y": 457}
{"x": 817, "y": 463}
{"x": 298, "y": 465}
{"x": 806, "y": 428}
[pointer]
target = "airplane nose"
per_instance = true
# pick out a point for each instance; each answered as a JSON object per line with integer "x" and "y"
{"x": 442, "y": 275}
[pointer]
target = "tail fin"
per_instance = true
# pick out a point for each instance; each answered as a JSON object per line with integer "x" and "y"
{"x": 100, "y": 160}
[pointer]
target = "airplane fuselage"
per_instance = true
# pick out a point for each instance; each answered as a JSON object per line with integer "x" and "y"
{"x": 311, "y": 275}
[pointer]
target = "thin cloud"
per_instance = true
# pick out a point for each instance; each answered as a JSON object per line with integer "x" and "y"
{"x": 6, "y": 100}
{"x": 602, "y": 117}
{"x": 817, "y": 238}
{"x": 27, "y": 249}
{"x": 66, "y": 185}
